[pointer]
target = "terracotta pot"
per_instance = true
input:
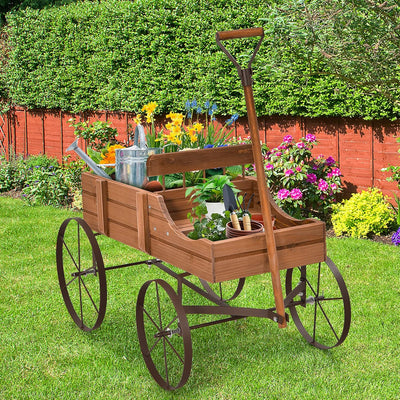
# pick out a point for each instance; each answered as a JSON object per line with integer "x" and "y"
{"x": 256, "y": 227}
{"x": 258, "y": 217}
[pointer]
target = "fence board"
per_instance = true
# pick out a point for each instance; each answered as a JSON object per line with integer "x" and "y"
{"x": 362, "y": 148}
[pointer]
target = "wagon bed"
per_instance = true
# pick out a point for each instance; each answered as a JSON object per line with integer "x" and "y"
{"x": 156, "y": 222}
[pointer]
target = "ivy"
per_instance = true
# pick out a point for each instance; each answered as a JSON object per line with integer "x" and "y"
{"x": 118, "y": 55}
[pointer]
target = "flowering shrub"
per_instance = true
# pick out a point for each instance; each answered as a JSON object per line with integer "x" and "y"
{"x": 301, "y": 184}
{"x": 364, "y": 213}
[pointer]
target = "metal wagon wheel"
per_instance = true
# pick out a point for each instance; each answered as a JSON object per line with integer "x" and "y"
{"x": 164, "y": 334}
{"x": 224, "y": 291}
{"x": 81, "y": 274}
{"x": 323, "y": 313}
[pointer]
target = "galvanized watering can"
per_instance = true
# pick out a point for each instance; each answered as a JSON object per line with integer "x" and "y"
{"x": 130, "y": 163}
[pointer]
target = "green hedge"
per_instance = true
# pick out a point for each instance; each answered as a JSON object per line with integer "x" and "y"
{"x": 119, "y": 55}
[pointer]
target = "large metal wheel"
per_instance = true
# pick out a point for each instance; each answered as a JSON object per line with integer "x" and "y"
{"x": 81, "y": 274}
{"x": 164, "y": 334}
{"x": 224, "y": 291}
{"x": 323, "y": 313}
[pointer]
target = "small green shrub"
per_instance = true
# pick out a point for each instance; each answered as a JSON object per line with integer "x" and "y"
{"x": 363, "y": 214}
{"x": 12, "y": 173}
{"x": 47, "y": 186}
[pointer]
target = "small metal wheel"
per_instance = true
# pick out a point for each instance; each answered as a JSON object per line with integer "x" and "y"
{"x": 224, "y": 291}
{"x": 81, "y": 274}
{"x": 323, "y": 313}
{"x": 164, "y": 334}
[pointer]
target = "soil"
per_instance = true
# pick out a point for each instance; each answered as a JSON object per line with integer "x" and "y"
{"x": 386, "y": 239}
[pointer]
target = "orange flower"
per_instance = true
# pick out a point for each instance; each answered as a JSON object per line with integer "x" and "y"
{"x": 109, "y": 157}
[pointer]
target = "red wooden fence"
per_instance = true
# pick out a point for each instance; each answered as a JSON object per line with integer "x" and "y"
{"x": 361, "y": 147}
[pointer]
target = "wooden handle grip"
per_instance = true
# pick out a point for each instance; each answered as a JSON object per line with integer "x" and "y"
{"x": 240, "y": 33}
{"x": 235, "y": 221}
{"x": 246, "y": 222}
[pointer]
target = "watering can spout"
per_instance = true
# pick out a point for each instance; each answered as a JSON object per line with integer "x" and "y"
{"x": 97, "y": 170}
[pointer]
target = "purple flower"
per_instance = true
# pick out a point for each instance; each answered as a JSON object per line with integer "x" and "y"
{"x": 208, "y": 146}
{"x": 310, "y": 138}
{"x": 283, "y": 194}
{"x": 336, "y": 172}
{"x": 323, "y": 185}
{"x": 330, "y": 161}
{"x": 311, "y": 178}
{"x": 329, "y": 175}
{"x": 288, "y": 139}
{"x": 289, "y": 172}
{"x": 278, "y": 154}
{"x": 296, "y": 194}
{"x": 333, "y": 186}
{"x": 301, "y": 145}
{"x": 396, "y": 238}
{"x": 269, "y": 167}
{"x": 298, "y": 169}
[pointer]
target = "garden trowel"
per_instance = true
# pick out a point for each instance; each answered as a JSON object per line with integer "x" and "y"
{"x": 231, "y": 205}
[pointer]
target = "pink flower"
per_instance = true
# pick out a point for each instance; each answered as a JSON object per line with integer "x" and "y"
{"x": 323, "y": 185}
{"x": 269, "y": 166}
{"x": 288, "y": 139}
{"x": 329, "y": 175}
{"x": 283, "y": 194}
{"x": 330, "y": 161}
{"x": 298, "y": 169}
{"x": 333, "y": 186}
{"x": 336, "y": 172}
{"x": 310, "y": 138}
{"x": 296, "y": 194}
{"x": 289, "y": 172}
{"x": 278, "y": 154}
{"x": 301, "y": 145}
{"x": 311, "y": 178}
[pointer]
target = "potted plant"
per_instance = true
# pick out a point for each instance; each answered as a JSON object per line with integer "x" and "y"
{"x": 210, "y": 192}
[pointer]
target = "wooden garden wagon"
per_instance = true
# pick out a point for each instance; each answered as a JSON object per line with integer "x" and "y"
{"x": 157, "y": 224}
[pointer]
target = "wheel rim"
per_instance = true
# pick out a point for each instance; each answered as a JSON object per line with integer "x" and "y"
{"x": 81, "y": 274}
{"x": 164, "y": 334}
{"x": 322, "y": 314}
{"x": 224, "y": 291}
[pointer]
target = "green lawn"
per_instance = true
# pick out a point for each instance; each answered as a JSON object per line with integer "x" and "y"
{"x": 45, "y": 356}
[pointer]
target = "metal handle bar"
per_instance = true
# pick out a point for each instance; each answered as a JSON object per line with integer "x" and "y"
{"x": 245, "y": 74}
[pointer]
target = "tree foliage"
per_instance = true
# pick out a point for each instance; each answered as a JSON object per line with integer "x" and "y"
{"x": 119, "y": 55}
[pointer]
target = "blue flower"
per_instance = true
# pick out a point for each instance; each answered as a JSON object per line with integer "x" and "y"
{"x": 187, "y": 105}
{"x": 194, "y": 103}
{"x": 214, "y": 107}
{"x": 189, "y": 115}
{"x": 235, "y": 117}
{"x": 207, "y": 104}
{"x": 396, "y": 238}
{"x": 208, "y": 146}
{"x": 198, "y": 110}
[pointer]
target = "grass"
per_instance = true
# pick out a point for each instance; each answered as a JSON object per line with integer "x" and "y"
{"x": 45, "y": 356}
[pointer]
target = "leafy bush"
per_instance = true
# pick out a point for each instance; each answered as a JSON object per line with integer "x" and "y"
{"x": 117, "y": 55}
{"x": 12, "y": 173}
{"x": 363, "y": 214}
{"x": 302, "y": 185}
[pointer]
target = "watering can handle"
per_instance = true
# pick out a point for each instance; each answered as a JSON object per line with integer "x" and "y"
{"x": 237, "y": 34}
{"x": 139, "y": 139}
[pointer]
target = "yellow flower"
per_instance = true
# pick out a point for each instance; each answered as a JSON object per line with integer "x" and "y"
{"x": 150, "y": 108}
{"x": 198, "y": 127}
{"x": 138, "y": 119}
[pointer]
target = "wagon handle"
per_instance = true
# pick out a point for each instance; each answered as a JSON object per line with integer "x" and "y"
{"x": 245, "y": 76}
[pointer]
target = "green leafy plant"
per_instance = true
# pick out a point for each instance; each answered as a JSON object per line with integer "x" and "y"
{"x": 47, "y": 186}
{"x": 363, "y": 214}
{"x": 211, "y": 189}
{"x": 98, "y": 134}
{"x": 213, "y": 228}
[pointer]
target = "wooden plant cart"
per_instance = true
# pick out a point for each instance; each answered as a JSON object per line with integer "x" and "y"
{"x": 157, "y": 224}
